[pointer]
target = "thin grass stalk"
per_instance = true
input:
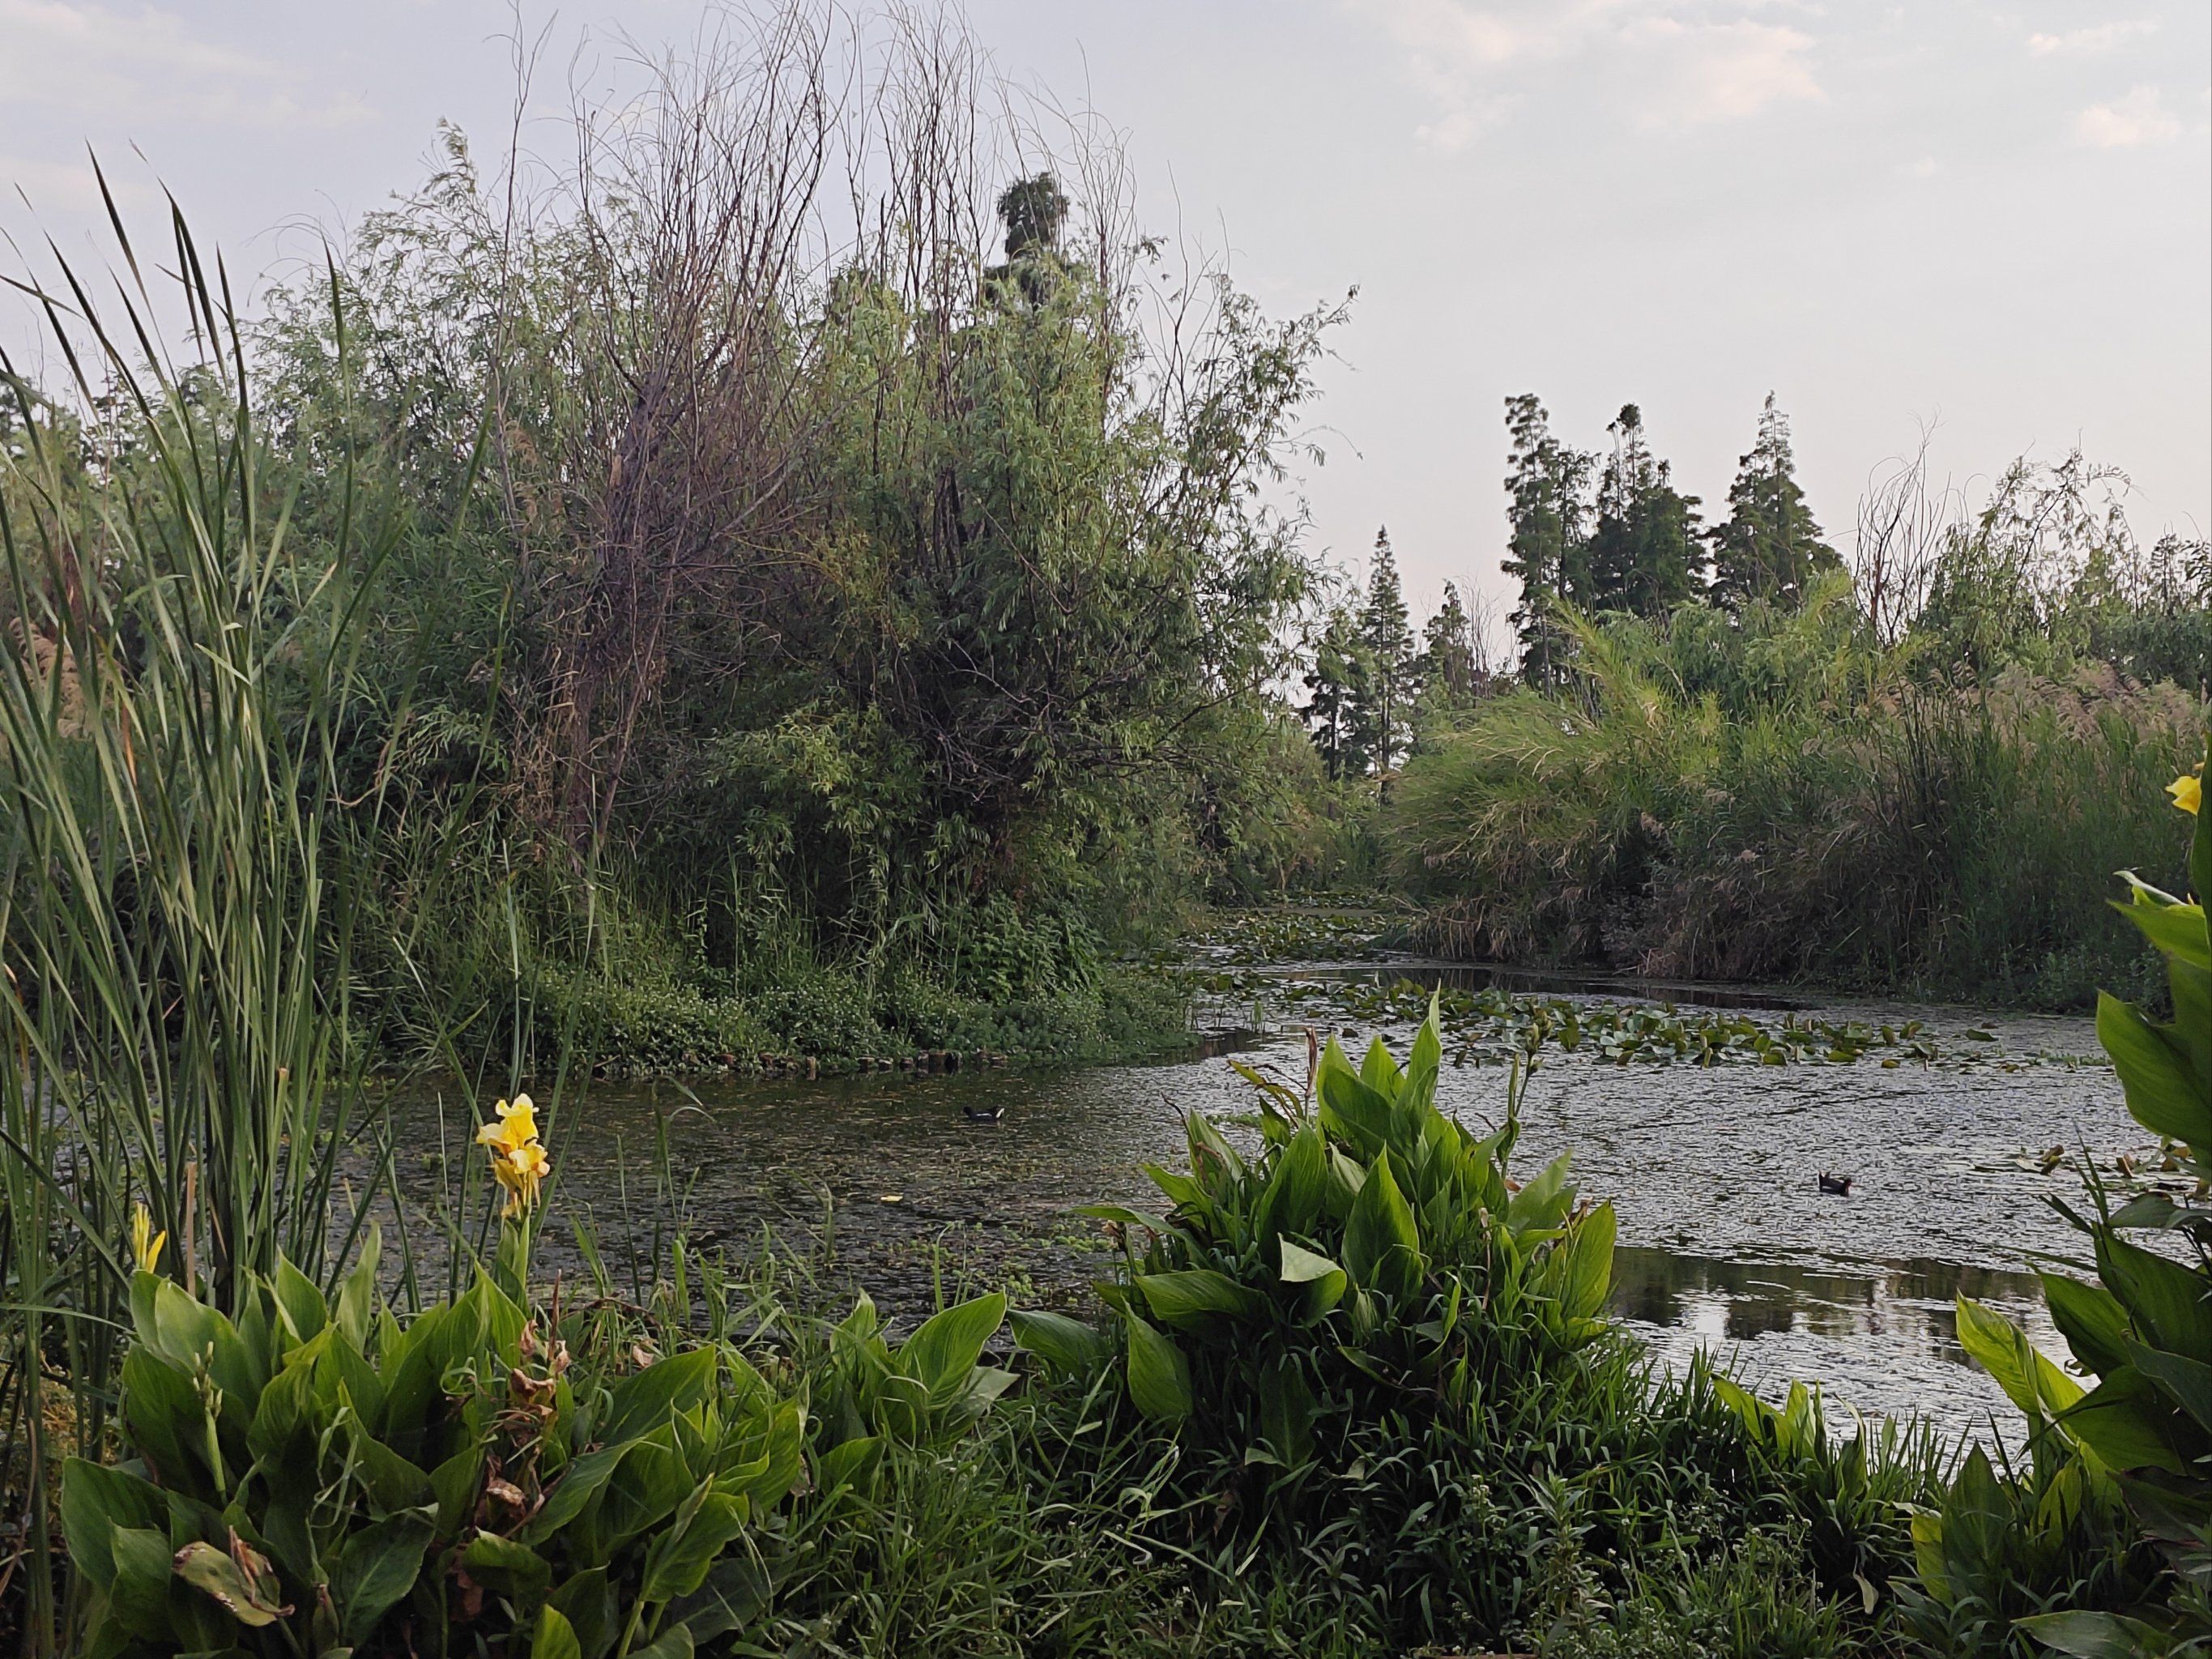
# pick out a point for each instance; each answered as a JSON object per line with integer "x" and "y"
{"x": 179, "y": 900}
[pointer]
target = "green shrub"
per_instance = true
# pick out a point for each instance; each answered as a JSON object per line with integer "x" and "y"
{"x": 2123, "y": 1463}
{"x": 1384, "y": 1362}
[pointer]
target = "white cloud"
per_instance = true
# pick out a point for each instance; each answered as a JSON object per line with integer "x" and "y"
{"x": 1723, "y": 71}
{"x": 1677, "y": 65}
{"x": 99, "y": 64}
{"x": 2140, "y": 118}
{"x": 1924, "y": 168}
{"x": 2104, "y": 37}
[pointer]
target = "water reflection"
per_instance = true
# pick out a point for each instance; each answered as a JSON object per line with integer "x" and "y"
{"x": 1880, "y": 1336}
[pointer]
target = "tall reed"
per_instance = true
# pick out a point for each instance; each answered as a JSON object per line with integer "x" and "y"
{"x": 177, "y": 907}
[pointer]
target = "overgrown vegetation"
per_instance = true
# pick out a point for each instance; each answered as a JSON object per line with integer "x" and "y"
{"x": 1729, "y": 757}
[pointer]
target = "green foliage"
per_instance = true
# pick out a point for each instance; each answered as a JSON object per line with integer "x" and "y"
{"x": 2124, "y": 1459}
{"x": 1769, "y": 547}
{"x": 1377, "y": 1354}
{"x": 316, "y": 1475}
{"x": 1775, "y": 796}
{"x": 313, "y": 1476}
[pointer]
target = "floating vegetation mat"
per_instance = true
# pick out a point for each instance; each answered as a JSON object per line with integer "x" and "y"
{"x": 1490, "y": 1025}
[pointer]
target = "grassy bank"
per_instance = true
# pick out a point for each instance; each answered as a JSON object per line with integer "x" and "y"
{"x": 1778, "y": 797}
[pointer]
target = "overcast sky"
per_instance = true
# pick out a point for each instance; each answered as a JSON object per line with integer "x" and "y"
{"x": 1994, "y": 217}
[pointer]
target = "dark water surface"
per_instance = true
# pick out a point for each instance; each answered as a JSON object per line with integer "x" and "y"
{"x": 1727, "y": 1242}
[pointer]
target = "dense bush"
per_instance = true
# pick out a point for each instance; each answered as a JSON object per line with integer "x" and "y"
{"x": 1776, "y": 796}
{"x": 1381, "y": 1359}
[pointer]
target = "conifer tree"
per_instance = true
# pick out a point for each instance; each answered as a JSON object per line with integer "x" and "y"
{"x": 1448, "y": 653}
{"x": 1384, "y": 629}
{"x": 1547, "y": 548}
{"x": 1769, "y": 548}
{"x": 1339, "y": 690}
{"x": 1646, "y": 554}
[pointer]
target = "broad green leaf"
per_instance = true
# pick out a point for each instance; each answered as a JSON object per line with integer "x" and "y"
{"x": 1302, "y": 1266}
{"x": 848, "y": 1463}
{"x": 1213, "y": 1159}
{"x": 1197, "y": 1298}
{"x": 507, "y": 1566}
{"x": 944, "y": 1351}
{"x": 2187, "y": 1383}
{"x": 1345, "y": 1178}
{"x": 1379, "y": 1071}
{"x": 304, "y": 1310}
{"x": 587, "y": 1601}
{"x": 2119, "y": 1420}
{"x": 1324, "y": 1281}
{"x": 253, "y": 1602}
{"x": 376, "y": 1568}
{"x": 2176, "y": 930}
{"x": 647, "y": 1485}
{"x": 555, "y": 1638}
{"x": 95, "y": 1499}
{"x": 456, "y": 1483}
{"x": 1589, "y": 1259}
{"x": 1349, "y": 1107}
{"x": 2161, "y": 1094}
{"x": 392, "y": 1482}
{"x": 678, "y": 1560}
{"x": 166, "y": 1416}
{"x": 2029, "y": 1380}
{"x": 1287, "y": 1411}
{"x": 642, "y": 1402}
{"x": 1293, "y": 1201}
{"x": 139, "y": 1593}
{"x": 2166, "y": 1300}
{"x": 2096, "y": 1635}
{"x": 1542, "y": 1205}
{"x": 2091, "y": 1319}
{"x": 674, "y": 1642}
{"x": 1160, "y": 1377}
{"x": 1063, "y": 1343}
{"x": 1381, "y": 1244}
{"x": 357, "y": 1295}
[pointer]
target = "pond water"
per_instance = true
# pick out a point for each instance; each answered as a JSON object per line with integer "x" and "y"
{"x": 1726, "y": 1240}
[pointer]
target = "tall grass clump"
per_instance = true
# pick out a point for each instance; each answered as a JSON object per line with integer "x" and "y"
{"x": 178, "y": 916}
{"x": 1777, "y": 795}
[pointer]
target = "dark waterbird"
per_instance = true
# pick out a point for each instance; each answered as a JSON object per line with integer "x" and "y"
{"x": 983, "y": 1113}
{"x": 1836, "y": 1186}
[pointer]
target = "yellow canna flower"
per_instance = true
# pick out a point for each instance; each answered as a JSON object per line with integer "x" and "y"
{"x": 145, "y": 1242}
{"x": 520, "y": 1171}
{"x": 517, "y": 1126}
{"x": 2188, "y": 790}
{"x": 519, "y": 1162}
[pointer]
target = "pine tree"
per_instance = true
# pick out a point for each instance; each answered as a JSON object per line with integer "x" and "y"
{"x": 1384, "y": 631}
{"x": 1447, "y": 654}
{"x": 1548, "y": 545}
{"x": 1769, "y": 548}
{"x": 1646, "y": 554}
{"x": 1339, "y": 688}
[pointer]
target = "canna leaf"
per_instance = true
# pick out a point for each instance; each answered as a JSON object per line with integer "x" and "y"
{"x": 2091, "y": 1319}
{"x": 1195, "y": 1298}
{"x": 2028, "y": 1378}
{"x": 1160, "y": 1377}
{"x": 2162, "y": 1093}
{"x": 1063, "y": 1343}
{"x": 644, "y": 1402}
{"x": 942, "y": 1353}
{"x": 1381, "y": 1244}
{"x": 376, "y": 1568}
{"x": 2163, "y": 1299}
{"x": 555, "y": 1637}
{"x": 1590, "y": 1263}
{"x": 96, "y": 1499}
